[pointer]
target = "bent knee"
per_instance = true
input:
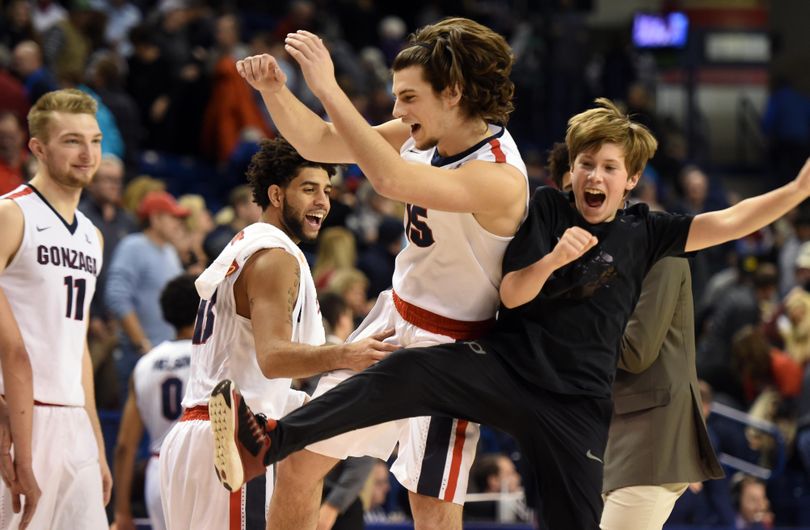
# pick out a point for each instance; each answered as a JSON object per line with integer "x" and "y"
{"x": 304, "y": 467}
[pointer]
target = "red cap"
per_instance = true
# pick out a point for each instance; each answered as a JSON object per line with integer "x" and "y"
{"x": 160, "y": 201}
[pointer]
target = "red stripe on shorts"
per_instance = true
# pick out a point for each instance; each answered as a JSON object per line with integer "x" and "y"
{"x": 500, "y": 158}
{"x": 455, "y": 463}
{"x": 235, "y": 511}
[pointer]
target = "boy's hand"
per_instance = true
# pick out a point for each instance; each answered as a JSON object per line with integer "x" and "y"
{"x": 313, "y": 57}
{"x": 572, "y": 245}
{"x": 262, "y": 72}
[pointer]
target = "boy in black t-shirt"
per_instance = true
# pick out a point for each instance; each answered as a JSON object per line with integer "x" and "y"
{"x": 572, "y": 276}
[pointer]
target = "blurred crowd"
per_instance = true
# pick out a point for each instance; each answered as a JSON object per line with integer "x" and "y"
{"x": 180, "y": 126}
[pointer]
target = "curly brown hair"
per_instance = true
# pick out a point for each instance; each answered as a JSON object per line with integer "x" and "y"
{"x": 277, "y": 162}
{"x": 463, "y": 53}
{"x": 559, "y": 163}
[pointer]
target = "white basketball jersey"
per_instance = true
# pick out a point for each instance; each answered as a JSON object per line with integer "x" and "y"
{"x": 451, "y": 266}
{"x": 49, "y": 284}
{"x": 223, "y": 340}
{"x": 160, "y": 379}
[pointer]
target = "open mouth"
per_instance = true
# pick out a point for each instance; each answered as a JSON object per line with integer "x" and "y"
{"x": 415, "y": 128}
{"x": 594, "y": 198}
{"x": 314, "y": 220}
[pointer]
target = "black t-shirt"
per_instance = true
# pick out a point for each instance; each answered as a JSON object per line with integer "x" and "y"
{"x": 567, "y": 339}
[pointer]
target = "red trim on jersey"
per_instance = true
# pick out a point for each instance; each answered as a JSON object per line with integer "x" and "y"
{"x": 235, "y": 510}
{"x": 457, "y": 329}
{"x": 455, "y": 462}
{"x": 500, "y": 158}
{"x": 200, "y": 412}
{"x": 21, "y": 193}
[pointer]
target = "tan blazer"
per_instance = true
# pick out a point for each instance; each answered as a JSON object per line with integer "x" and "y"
{"x": 657, "y": 434}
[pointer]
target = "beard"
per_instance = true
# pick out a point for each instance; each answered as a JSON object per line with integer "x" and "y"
{"x": 294, "y": 223}
{"x": 69, "y": 178}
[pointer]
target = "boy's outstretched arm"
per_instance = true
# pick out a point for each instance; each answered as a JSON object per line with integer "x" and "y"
{"x": 523, "y": 285}
{"x": 745, "y": 217}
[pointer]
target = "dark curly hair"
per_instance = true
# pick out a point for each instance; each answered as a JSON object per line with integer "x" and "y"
{"x": 277, "y": 162}
{"x": 558, "y": 163}
{"x": 179, "y": 302}
{"x": 461, "y": 52}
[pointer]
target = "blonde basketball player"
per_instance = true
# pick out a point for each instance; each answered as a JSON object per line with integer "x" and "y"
{"x": 50, "y": 256}
{"x": 448, "y": 156}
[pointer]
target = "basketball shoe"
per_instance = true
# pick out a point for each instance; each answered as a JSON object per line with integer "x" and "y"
{"x": 241, "y": 438}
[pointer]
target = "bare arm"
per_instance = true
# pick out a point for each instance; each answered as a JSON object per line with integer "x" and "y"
{"x": 522, "y": 286}
{"x": 312, "y": 137}
{"x": 270, "y": 279}
{"x": 17, "y": 377}
{"x": 648, "y": 325}
{"x": 477, "y": 187}
{"x": 129, "y": 436}
{"x": 745, "y": 217}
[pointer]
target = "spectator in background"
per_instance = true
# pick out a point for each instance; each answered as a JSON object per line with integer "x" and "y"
{"x": 377, "y": 261}
{"x": 13, "y": 152}
{"x": 122, "y": 16}
{"x": 375, "y": 495}
{"x": 240, "y": 212}
{"x": 790, "y": 250}
{"x": 101, "y": 203}
{"x": 337, "y": 251}
{"x": 104, "y": 77}
{"x": 196, "y": 227}
{"x": 786, "y": 124}
{"x": 738, "y": 306}
{"x": 351, "y": 284}
{"x": 137, "y": 189}
{"x": 150, "y": 83}
{"x": 140, "y": 268}
{"x": 45, "y": 14}
{"x": 17, "y": 25}
{"x": 495, "y": 473}
{"x": 13, "y": 96}
{"x": 36, "y": 77}
{"x": 751, "y": 502}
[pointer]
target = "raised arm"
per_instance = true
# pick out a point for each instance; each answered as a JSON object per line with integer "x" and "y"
{"x": 477, "y": 187}
{"x": 523, "y": 285}
{"x": 311, "y": 136}
{"x": 745, "y": 217}
{"x": 266, "y": 292}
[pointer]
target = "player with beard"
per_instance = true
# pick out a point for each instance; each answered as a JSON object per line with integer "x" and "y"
{"x": 258, "y": 323}
{"x": 50, "y": 257}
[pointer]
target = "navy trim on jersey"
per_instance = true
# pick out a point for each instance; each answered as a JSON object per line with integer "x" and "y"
{"x": 438, "y": 160}
{"x": 435, "y": 457}
{"x": 70, "y": 226}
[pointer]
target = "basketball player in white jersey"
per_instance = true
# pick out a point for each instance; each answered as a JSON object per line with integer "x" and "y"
{"x": 259, "y": 324}
{"x": 155, "y": 391}
{"x": 50, "y": 256}
{"x": 448, "y": 156}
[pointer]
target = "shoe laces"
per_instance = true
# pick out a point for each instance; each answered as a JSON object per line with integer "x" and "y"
{"x": 252, "y": 430}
